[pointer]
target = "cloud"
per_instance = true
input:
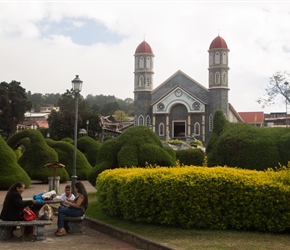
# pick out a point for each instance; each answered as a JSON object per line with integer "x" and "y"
{"x": 45, "y": 44}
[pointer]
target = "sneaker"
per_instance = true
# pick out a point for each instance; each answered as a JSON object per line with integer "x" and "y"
{"x": 61, "y": 233}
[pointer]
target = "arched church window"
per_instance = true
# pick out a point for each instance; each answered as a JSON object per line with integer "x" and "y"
{"x": 136, "y": 63}
{"x": 210, "y": 59}
{"x": 161, "y": 129}
{"x": 224, "y": 58}
{"x": 217, "y": 78}
{"x": 224, "y": 78}
{"x": 148, "y": 81}
{"x": 148, "y": 121}
{"x": 141, "y": 81}
{"x": 210, "y": 122}
{"x": 141, "y": 120}
{"x": 210, "y": 78}
{"x": 197, "y": 128}
{"x": 217, "y": 58}
{"x": 148, "y": 62}
{"x": 141, "y": 62}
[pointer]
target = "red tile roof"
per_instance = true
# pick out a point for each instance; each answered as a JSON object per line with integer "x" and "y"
{"x": 252, "y": 117}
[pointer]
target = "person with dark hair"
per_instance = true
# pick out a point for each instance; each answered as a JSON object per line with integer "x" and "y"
{"x": 74, "y": 208}
{"x": 13, "y": 203}
{"x": 67, "y": 195}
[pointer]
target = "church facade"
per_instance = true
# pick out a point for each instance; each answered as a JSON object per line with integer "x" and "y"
{"x": 181, "y": 108}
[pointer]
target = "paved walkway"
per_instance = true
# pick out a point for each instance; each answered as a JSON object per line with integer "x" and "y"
{"x": 89, "y": 239}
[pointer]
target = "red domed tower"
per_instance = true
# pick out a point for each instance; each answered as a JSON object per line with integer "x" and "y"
{"x": 143, "y": 83}
{"x": 218, "y": 74}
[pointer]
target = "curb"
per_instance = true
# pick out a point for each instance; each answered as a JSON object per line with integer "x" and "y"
{"x": 124, "y": 235}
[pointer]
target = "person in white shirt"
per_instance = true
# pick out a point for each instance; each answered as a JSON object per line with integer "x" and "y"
{"x": 67, "y": 196}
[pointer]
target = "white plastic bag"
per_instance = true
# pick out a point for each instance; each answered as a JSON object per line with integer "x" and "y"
{"x": 49, "y": 195}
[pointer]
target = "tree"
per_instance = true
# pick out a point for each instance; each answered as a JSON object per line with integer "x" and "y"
{"x": 110, "y": 108}
{"x": 276, "y": 90}
{"x": 120, "y": 116}
{"x": 13, "y": 105}
{"x": 61, "y": 123}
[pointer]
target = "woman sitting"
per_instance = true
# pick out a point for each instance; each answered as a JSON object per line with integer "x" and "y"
{"x": 74, "y": 208}
{"x": 13, "y": 204}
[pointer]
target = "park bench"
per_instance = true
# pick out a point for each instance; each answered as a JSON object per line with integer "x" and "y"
{"x": 73, "y": 224}
{"x": 6, "y": 228}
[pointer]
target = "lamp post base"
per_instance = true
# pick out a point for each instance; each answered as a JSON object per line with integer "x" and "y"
{"x": 73, "y": 181}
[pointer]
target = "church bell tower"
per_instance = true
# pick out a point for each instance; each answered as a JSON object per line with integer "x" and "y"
{"x": 143, "y": 84}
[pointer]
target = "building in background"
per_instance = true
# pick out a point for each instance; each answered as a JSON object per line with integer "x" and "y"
{"x": 254, "y": 118}
{"x": 180, "y": 107}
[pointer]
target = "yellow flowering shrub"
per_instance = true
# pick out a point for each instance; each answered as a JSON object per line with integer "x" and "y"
{"x": 198, "y": 197}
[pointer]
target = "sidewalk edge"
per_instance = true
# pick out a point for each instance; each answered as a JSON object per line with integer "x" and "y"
{"x": 124, "y": 235}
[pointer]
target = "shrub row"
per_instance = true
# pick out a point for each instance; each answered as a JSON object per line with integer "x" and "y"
{"x": 198, "y": 197}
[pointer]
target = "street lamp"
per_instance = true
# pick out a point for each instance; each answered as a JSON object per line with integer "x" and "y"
{"x": 286, "y": 96}
{"x": 88, "y": 127}
{"x": 76, "y": 89}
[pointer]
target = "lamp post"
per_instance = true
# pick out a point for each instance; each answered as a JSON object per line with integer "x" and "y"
{"x": 76, "y": 89}
{"x": 88, "y": 127}
{"x": 286, "y": 97}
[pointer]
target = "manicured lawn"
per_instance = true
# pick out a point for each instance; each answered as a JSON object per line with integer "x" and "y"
{"x": 195, "y": 239}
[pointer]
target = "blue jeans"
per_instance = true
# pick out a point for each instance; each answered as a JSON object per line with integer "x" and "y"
{"x": 67, "y": 211}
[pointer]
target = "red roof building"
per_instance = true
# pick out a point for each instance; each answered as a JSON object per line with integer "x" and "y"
{"x": 254, "y": 118}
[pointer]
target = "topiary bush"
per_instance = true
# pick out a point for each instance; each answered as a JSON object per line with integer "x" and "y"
{"x": 106, "y": 159}
{"x": 65, "y": 153}
{"x": 67, "y": 139}
{"x": 11, "y": 171}
{"x": 36, "y": 154}
{"x": 90, "y": 148}
{"x": 246, "y": 146}
{"x": 137, "y": 146}
{"x": 191, "y": 156}
{"x": 195, "y": 143}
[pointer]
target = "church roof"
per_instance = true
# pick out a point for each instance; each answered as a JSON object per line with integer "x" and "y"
{"x": 144, "y": 47}
{"x": 218, "y": 43}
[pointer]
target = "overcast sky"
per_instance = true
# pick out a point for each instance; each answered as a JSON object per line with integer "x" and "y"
{"x": 44, "y": 44}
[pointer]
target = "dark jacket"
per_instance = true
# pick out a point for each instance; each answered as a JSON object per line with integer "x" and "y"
{"x": 13, "y": 206}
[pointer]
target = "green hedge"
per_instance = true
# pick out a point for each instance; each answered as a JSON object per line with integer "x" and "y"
{"x": 11, "y": 171}
{"x": 137, "y": 146}
{"x": 36, "y": 154}
{"x": 90, "y": 148}
{"x": 245, "y": 146}
{"x": 191, "y": 156}
{"x": 65, "y": 152}
{"x": 198, "y": 197}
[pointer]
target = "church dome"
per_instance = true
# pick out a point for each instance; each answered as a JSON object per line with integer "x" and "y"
{"x": 218, "y": 43}
{"x": 144, "y": 48}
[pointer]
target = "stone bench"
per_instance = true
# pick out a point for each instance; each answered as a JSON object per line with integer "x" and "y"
{"x": 73, "y": 224}
{"x": 6, "y": 228}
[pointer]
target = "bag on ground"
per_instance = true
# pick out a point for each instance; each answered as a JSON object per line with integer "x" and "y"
{"x": 45, "y": 212}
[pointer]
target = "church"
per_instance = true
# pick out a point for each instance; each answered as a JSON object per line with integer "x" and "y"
{"x": 180, "y": 107}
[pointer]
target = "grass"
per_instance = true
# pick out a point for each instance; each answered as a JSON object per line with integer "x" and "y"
{"x": 194, "y": 239}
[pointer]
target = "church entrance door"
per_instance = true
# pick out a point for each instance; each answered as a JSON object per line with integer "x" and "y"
{"x": 179, "y": 129}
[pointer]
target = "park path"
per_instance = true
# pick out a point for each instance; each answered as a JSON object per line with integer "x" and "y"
{"x": 89, "y": 239}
